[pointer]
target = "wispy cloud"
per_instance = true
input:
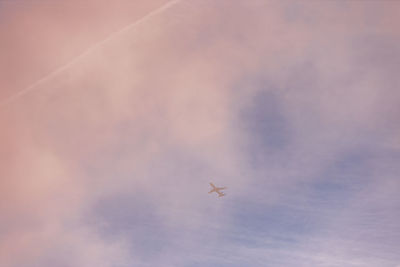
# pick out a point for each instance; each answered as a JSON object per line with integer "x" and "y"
{"x": 293, "y": 106}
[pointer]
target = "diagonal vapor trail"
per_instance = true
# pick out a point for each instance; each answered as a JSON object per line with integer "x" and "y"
{"x": 60, "y": 69}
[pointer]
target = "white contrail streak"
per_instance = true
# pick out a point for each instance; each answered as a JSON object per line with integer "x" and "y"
{"x": 58, "y": 70}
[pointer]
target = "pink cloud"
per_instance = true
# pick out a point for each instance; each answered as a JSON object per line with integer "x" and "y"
{"x": 155, "y": 111}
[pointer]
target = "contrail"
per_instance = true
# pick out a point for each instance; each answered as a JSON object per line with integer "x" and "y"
{"x": 85, "y": 53}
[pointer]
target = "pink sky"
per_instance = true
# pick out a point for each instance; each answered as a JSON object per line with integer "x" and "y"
{"x": 107, "y": 155}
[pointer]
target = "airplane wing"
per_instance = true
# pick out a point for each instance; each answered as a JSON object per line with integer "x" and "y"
{"x": 212, "y": 185}
{"x": 220, "y": 194}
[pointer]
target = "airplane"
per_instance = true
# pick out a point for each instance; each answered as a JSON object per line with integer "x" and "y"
{"x": 217, "y": 190}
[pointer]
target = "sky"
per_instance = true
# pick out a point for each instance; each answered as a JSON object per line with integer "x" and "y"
{"x": 116, "y": 115}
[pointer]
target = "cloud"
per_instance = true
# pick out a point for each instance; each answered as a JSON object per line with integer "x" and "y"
{"x": 291, "y": 105}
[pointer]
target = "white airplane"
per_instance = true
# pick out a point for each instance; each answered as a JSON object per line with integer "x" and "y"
{"x": 217, "y": 189}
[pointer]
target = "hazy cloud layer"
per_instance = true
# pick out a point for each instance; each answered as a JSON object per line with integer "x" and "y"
{"x": 293, "y": 106}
